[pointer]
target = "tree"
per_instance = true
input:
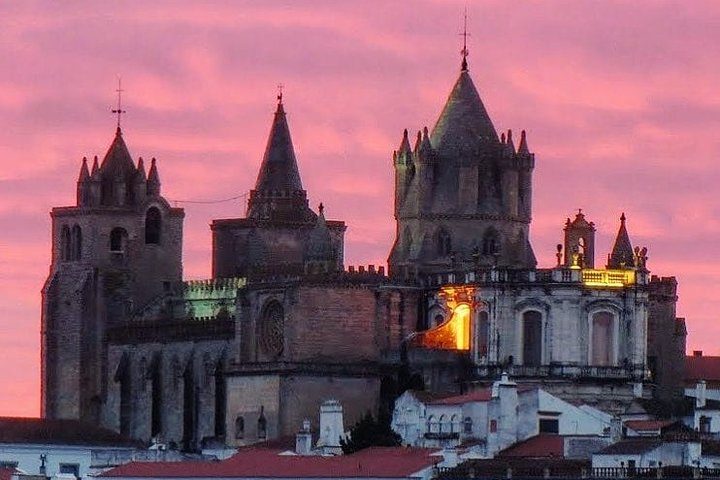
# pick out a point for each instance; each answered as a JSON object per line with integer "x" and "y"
{"x": 369, "y": 432}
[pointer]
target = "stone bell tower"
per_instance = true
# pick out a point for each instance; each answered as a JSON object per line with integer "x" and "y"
{"x": 114, "y": 251}
{"x": 463, "y": 195}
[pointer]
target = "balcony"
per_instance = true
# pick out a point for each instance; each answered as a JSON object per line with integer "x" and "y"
{"x": 630, "y": 372}
{"x": 587, "y": 277}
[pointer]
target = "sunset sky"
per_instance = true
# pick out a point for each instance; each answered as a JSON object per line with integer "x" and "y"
{"x": 621, "y": 102}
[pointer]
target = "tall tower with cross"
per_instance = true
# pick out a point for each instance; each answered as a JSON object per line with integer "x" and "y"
{"x": 113, "y": 251}
{"x": 463, "y": 193}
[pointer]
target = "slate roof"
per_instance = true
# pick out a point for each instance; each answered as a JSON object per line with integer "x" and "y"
{"x": 622, "y": 252}
{"x": 540, "y": 446}
{"x": 631, "y": 446}
{"x": 279, "y": 170}
{"x": 20, "y": 430}
{"x": 464, "y": 122}
{"x": 374, "y": 462}
{"x": 117, "y": 163}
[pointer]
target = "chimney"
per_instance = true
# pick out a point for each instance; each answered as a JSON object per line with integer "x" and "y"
{"x": 332, "y": 428}
{"x": 700, "y": 394}
{"x": 450, "y": 457}
{"x": 697, "y": 353}
{"x": 615, "y": 429}
{"x": 303, "y": 439}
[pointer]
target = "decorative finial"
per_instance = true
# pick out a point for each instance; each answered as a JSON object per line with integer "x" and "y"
{"x": 622, "y": 217}
{"x": 119, "y": 111}
{"x": 464, "y": 52}
{"x": 321, "y": 208}
{"x": 279, "y": 95}
{"x": 579, "y": 211}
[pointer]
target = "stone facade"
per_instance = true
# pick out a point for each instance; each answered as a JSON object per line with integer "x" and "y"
{"x": 283, "y": 327}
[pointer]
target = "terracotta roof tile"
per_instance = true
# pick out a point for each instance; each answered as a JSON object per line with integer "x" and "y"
{"x": 385, "y": 462}
{"x": 539, "y": 446}
{"x": 647, "y": 425}
{"x": 64, "y": 432}
{"x": 702, "y": 368}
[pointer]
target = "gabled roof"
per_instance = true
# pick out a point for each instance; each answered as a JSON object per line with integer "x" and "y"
{"x": 20, "y": 430}
{"x": 481, "y": 395}
{"x": 540, "y": 446}
{"x": 631, "y": 446}
{"x": 117, "y": 163}
{"x": 648, "y": 425}
{"x": 622, "y": 253}
{"x": 374, "y": 462}
{"x": 702, "y": 368}
{"x": 279, "y": 170}
{"x": 464, "y": 122}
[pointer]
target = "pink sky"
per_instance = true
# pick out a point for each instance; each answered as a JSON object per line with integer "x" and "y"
{"x": 621, "y": 101}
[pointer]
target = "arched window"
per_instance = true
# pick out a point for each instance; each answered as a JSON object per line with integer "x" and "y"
{"x": 65, "y": 244}
{"x": 491, "y": 242}
{"x": 482, "y": 335}
{"x": 118, "y": 240}
{"x": 262, "y": 424}
{"x": 444, "y": 243}
{"x": 532, "y": 338}
{"x": 602, "y": 338}
{"x": 441, "y": 423}
{"x": 76, "y": 243}
{"x": 432, "y": 424}
{"x": 454, "y": 424}
{"x": 153, "y": 226}
{"x": 272, "y": 329}
{"x": 239, "y": 427}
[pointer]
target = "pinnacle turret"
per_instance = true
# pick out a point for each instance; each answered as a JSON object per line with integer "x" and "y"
{"x": 141, "y": 170}
{"x": 84, "y": 172}
{"x": 622, "y": 255}
{"x": 153, "y": 180}
{"x": 404, "y": 144}
{"x": 523, "y": 147}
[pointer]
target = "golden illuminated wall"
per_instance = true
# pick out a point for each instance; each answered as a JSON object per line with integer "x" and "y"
{"x": 455, "y": 332}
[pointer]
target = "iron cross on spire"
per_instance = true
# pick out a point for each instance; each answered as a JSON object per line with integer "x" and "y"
{"x": 119, "y": 111}
{"x": 279, "y": 95}
{"x": 465, "y": 52}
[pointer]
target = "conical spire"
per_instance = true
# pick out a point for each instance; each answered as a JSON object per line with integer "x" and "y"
{"x": 319, "y": 246}
{"x": 84, "y": 172}
{"x": 279, "y": 170}
{"x": 622, "y": 253}
{"x": 510, "y": 144}
{"x": 153, "y": 175}
{"x": 95, "y": 166}
{"x": 278, "y": 193}
{"x": 464, "y": 123}
{"x": 117, "y": 164}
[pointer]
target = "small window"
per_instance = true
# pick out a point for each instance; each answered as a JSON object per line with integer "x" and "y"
{"x": 467, "y": 425}
{"x": 153, "y": 226}
{"x": 444, "y": 243}
{"x": 705, "y": 423}
{"x": 549, "y": 425}
{"x": 118, "y": 240}
{"x": 65, "y": 244}
{"x": 239, "y": 427}
{"x": 493, "y": 426}
{"x": 76, "y": 243}
{"x": 71, "y": 468}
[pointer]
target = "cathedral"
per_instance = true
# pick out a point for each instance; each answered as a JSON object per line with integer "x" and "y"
{"x": 283, "y": 325}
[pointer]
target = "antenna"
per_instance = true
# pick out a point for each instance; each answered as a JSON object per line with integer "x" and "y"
{"x": 119, "y": 111}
